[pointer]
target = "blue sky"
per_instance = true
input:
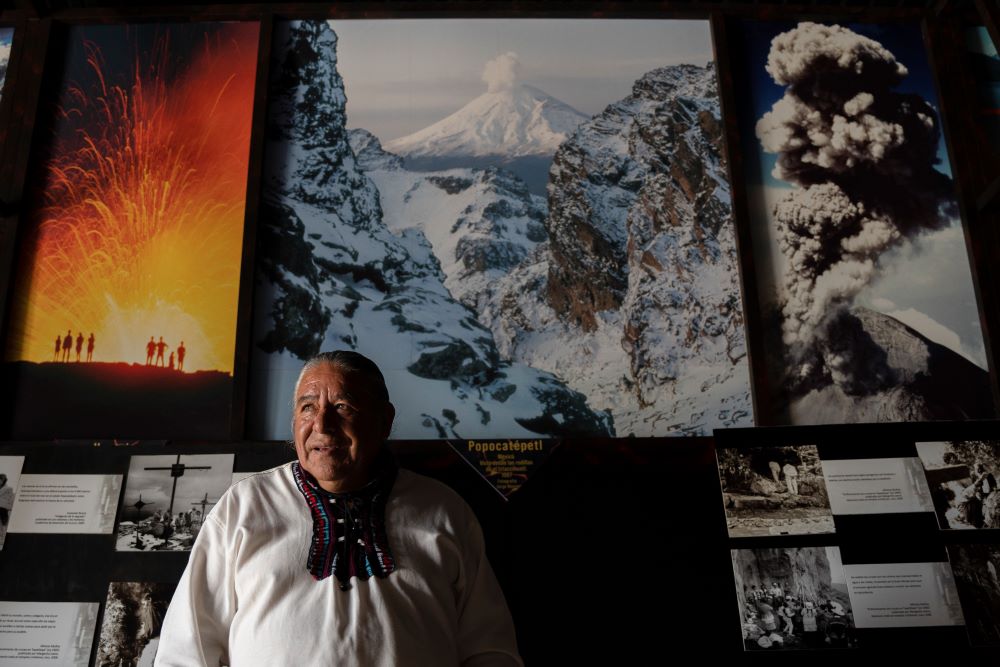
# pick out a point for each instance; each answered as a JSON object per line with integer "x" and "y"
{"x": 403, "y": 75}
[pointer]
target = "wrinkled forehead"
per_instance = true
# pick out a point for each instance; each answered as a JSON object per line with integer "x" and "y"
{"x": 332, "y": 380}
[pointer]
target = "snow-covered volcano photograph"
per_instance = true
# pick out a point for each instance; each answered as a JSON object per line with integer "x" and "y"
{"x": 868, "y": 308}
{"x": 526, "y": 223}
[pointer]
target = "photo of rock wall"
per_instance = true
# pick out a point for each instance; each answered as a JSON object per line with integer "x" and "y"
{"x": 521, "y": 254}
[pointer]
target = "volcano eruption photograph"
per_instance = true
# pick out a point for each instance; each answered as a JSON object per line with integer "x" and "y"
{"x": 868, "y": 308}
{"x": 527, "y": 224}
{"x": 124, "y": 313}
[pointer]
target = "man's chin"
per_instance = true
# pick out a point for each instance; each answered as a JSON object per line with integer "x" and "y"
{"x": 329, "y": 470}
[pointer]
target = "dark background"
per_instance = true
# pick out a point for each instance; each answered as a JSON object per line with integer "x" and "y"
{"x": 615, "y": 551}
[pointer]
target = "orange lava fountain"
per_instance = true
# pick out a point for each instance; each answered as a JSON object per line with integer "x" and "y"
{"x": 140, "y": 227}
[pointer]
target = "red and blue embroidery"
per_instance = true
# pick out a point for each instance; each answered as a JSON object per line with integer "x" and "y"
{"x": 349, "y": 537}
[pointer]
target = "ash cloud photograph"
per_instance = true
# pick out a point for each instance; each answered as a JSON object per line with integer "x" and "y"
{"x": 167, "y": 498}
{"x": 774, "y": 491}
{"x": 868, "y": 308}
{"x": 526, "y": 224}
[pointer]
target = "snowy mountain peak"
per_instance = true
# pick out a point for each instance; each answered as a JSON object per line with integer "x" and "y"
{"x": 516, "y": 120}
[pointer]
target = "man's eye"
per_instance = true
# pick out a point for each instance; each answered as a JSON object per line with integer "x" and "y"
{"x": 343, "y": 407}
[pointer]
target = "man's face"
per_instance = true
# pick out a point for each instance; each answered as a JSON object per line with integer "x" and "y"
{"x": 339, "y": 426}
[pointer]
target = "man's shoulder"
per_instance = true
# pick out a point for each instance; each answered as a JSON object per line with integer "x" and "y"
{"x": 256, "y": 482}
{"x": 245, "y": 497}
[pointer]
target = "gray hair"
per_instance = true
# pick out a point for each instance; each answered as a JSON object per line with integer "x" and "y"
{"x": 349, "y": 362}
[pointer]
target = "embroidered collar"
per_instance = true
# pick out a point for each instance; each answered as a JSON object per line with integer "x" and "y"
{"x": 349, "y": 538}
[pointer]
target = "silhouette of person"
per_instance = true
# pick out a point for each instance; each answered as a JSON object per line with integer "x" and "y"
{"x": 90, "y": 347}
{"x": 181, "y": 351}
{"x": 160, "y": 347}
{"x": 67, "y": 344}
{"x": 79, "y": 345}
{"x": 58, "y": 348}
{"x": 170, "y": 364}
{"x": 150, "y": 349}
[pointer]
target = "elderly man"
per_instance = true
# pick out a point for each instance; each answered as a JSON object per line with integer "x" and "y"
{"x": 339, "y": 558}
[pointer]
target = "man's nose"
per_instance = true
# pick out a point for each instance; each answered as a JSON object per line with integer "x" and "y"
{"x": 326, "y": 419}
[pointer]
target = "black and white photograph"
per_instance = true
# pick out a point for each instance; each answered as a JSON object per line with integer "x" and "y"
{"x": 774, "y": 491}
{"x": 962, "y": 476}
{"x": 10, "y": 472}
{"x": 130, "y": 630}
{"x": 977, "y": 576}
{"x": 793, "y": 598}
{"x": 867, "y": 305}
{"x": 167, "y": 498}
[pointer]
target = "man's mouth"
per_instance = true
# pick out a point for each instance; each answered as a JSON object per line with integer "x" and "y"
{"x": 327, "y": 449}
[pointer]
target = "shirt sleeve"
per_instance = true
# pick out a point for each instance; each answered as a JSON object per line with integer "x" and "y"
{"x": 196, "y": 627}
{"x": 486, "y": 636}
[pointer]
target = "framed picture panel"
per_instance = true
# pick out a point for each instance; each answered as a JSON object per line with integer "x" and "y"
{"x": 860, "y": 264}
{"x": 131, "y": 249}
{"x": 525, "y": 223}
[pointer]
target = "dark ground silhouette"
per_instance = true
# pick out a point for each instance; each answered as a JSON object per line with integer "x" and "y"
{"x": 104, "y": 400}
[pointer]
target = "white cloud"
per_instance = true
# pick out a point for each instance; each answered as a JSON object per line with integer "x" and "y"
{"x": 936, "y": 332}
{"x": 501, "y": 72}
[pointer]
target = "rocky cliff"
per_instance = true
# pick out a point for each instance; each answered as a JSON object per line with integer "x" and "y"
{"x": 333, "y": 275}
{"x": 635, "y": 298}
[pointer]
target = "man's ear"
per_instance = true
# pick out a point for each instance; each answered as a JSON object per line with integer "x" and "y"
{"x": 387, "y": 418}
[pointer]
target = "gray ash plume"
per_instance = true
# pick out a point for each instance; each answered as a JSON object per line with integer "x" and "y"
{"x": 862, "y": 156}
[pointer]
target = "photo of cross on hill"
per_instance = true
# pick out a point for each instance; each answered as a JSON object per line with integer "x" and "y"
{"x": 167, "y": 498}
